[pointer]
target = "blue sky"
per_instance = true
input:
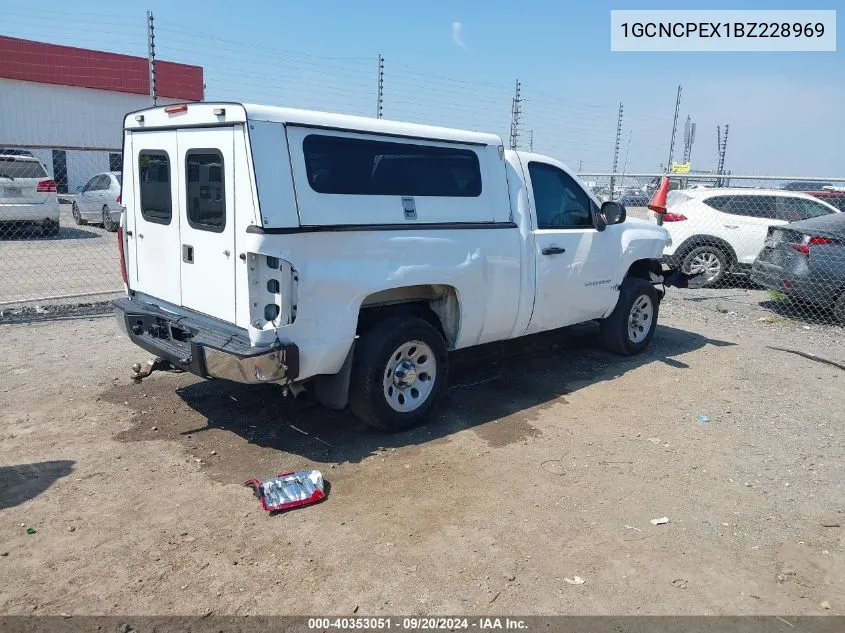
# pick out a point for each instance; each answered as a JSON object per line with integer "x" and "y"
{"x": 784, "y": 109}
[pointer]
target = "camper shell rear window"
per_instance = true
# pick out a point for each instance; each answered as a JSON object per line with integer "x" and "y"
{"x": 351, "y": 166}
{"x": 154, "y": 179}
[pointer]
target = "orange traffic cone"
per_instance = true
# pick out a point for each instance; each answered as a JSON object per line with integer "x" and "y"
{"x": 658, "y": 200}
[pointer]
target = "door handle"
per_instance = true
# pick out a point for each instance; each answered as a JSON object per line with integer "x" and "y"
{"x": 553, "y": 250}
{"x": 731, "y": 226}
{"x": 187, "y": 254}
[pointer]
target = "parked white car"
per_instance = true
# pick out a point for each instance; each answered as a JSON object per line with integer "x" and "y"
{"x": 27, "y": 194}
{"x": 348, "y": 255}
{"x": 98, "y": 202}
{"x": 716, "y": 232}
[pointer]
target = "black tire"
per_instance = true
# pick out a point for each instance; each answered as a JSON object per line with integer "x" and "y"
{"x": 108, "y": 224}
{"x": 692, "y": 261}
{"x": 371, "y": 367}
{"x": 615, "y": 331}
{"x": 77, "y": 217}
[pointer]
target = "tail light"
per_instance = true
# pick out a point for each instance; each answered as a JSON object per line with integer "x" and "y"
{"x": 807, "y": 244}
{"x": 120, "y": 250}
{"x": 673, "y": 217}
{"x": 47, "y": 186}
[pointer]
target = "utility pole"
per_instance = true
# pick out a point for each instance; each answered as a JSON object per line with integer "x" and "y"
{"x": 627, "y": 149}
{"x": 616, "y": 152}
{"x": 723, "y": 146}
{"x": 718, "y": 146}
{"x": 674, "y": 130}
{"x": 689, "y": 139}
{"x": 151, "y": 56}
{"x": 380, "y": 90}
{"x": 515, "y": 112}
{"x": 531, "y": 140}
{"x": 580, "y": 166}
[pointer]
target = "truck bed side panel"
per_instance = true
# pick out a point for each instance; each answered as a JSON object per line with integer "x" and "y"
{"x": 337, "y": 270}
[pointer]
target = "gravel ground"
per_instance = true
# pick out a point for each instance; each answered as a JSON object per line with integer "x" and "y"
{"x": 547, "y": 461}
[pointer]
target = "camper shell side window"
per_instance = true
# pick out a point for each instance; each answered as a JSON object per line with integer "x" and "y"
{"x": 343, "y": 165}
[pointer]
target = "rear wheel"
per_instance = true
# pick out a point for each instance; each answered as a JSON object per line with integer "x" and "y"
{"x": 77, "y": 216}
{"x": 108, "y": 224}
{"x": 709, "y": 261}
{"x": 630, "y": 327}
{"x": 399, "y": 371}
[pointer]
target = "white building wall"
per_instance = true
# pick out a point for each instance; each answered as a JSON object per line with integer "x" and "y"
{"x": 86, "y": 123}
{"x": 65, "y": 116}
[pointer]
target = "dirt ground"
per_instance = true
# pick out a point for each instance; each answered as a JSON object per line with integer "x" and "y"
{"x": 547, "y": 461}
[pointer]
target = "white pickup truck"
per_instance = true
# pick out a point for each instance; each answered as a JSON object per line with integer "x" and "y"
{"x": 348, "y": 255}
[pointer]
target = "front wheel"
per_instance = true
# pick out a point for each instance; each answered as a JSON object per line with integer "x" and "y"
{"x": 399, "y": 371}
{"x": 630, "y": 327}
{"x": 108, "y": 224}
{"x": 77, "y": 216}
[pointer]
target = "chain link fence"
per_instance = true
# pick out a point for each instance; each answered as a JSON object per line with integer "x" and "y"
{"x": 59, "y": 210}
{"x": 781, "y": 237}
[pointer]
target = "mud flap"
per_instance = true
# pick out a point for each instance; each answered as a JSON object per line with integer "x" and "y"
{"x": 332, "y": 390}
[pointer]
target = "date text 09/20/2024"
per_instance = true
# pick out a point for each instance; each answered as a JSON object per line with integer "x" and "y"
{"x": 417, "y": 623}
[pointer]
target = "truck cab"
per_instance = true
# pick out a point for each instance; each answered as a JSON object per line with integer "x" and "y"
{"x": 349, "y": 255}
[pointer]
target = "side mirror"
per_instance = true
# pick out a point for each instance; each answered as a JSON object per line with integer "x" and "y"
{"x": 613, "y": 212}
{"x": 78, "y": 188}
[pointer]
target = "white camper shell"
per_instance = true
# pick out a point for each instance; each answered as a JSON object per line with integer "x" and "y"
{"x": 349, "y": 254}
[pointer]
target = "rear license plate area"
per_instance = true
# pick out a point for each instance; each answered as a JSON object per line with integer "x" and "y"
{"x": 12, "y": 192}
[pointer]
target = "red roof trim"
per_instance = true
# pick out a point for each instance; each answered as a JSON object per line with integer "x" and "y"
{"x": 27, "y": 60}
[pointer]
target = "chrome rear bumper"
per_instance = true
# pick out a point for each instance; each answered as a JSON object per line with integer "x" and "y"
{"x": 208, "y": 352}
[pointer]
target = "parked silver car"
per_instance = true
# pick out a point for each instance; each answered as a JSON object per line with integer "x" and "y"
{"x": 98, "y": 202}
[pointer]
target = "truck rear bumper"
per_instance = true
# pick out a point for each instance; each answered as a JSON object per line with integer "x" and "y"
{"x": 200, "y": 349}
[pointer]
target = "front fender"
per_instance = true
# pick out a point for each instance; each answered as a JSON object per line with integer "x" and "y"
{"x": 641, "y": 241}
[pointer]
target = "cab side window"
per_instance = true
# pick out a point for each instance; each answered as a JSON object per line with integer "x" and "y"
{"x": 559, "y": 201}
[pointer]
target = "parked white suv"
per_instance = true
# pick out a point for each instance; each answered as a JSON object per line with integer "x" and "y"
{"x": 348, "y": 255}
{"x": 720, "y": 231}
{"x": 27, "y": 194}
{"x": 99, "y": 201}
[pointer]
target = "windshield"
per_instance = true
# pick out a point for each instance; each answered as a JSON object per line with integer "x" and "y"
{"x": 14, "y": 167}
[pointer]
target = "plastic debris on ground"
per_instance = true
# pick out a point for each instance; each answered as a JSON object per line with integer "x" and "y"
{"x": 660, "y": 521}
{"x": 704, "y": 419}
{"x": 289, "y": 490}
{"x": 575, "y": 581}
